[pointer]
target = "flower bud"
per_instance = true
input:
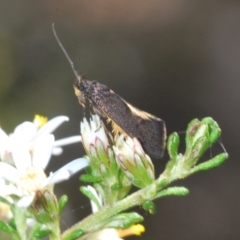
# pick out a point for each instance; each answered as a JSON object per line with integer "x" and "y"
{"x": 135, "y": 163}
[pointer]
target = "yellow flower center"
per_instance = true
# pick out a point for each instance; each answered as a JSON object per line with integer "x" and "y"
{"x": 31, "y": 179}
{"x": 4, "y": 211}
{"x": 40, "y": 120}
{"x": 136, "y": 229}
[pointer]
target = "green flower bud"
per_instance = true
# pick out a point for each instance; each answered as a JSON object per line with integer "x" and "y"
{"x": 214, "y": 130}
{"x": 45, "y": 207}
{"x": 134, "y": 162}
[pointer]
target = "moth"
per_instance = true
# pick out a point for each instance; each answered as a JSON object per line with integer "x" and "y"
{"x": 125, "y": 118}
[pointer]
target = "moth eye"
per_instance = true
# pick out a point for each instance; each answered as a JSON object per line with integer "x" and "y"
{"x": 81, "y": 87}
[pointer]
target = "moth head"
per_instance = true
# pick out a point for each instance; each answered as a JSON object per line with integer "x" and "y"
{"x": 79, "y": 89}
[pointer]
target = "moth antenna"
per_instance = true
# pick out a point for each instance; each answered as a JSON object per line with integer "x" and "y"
{"x": 65, "y": 53}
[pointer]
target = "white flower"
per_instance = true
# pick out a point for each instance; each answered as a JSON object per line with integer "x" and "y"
{"x": 93, "y": 131}
{"x": 25, "y": 180}
{"x": 25, "y": 154}
{"x": 36, "y": 140}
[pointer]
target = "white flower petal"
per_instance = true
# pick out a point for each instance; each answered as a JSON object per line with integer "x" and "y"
{"x": 75, "y": 165}
{"x": 57, "y": 177}
{"x": 107, "y": 233}
{"x": 21, "y": 155}
{"x": 31, "y": 222}
{"x": 8, "y": 172}
{"x": 42, "y": 150}
{"x": 67, "y": 141}
{"x": 93, "y": 130}
{"x": 25, "y": 131}
{"x": 52, "y": 124}
{"x": 11, "y": 189}
{"x": 26, "y": 200}
{"x": 57, "y": 151}
{"x": 8, "y": 189}
{"x": 65, "y": 172}
{"x": 93, "y": 204}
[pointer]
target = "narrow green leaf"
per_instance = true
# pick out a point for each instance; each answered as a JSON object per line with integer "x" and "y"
{"x": 90, "y": 178}
{"x": 4, "y": 200}
{"x": 172, "y": 145}
{"x": 41, "y": 233}
{"x": 74, "y": 235}
{"x": 149, "y": 206}
{"x": 212, "y": 163}
{"x": 124, "y": 220}
{"x": 90, "y": 195}
{"x": 116, "y": 186}
{"x": 173, "y": 191}
{"x": 62, "y": 203}
{"x": 6, "y": 228}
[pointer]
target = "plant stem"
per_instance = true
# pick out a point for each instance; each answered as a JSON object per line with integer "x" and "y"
{"x": 91, "y": 223}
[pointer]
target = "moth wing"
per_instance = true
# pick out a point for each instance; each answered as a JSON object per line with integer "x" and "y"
{"x": 148, "y": 129}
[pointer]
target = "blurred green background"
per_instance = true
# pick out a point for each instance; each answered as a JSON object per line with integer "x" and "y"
{"x": 177, "y": 59}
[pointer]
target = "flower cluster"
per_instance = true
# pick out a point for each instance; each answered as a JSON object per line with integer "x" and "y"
{"x": 24, "y": 155}
{"x": 113, "y": 165}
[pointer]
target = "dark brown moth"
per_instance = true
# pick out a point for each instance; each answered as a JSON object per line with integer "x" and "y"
{"x": 125, "y": 118}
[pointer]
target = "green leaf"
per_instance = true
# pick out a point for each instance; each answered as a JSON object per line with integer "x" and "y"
{"x": 73, "y": 235}
{"x": 41, "y": 233}
{"x": 116, "y": 186}
{"x": 172, "y": 145}
{"x": 90, "y": 195}
{"x": 62, "y": 203}
{"x": 212, "y": 163}
{"x": 149, "y": 206}
{"x": 4, "y": 200}
{"x": 36, "y": 231}
{"x": 6, "y": 228}
{"x": 90, "y": 178}
{"x": 124, "y": 220}
{"x": 173, "y": 191}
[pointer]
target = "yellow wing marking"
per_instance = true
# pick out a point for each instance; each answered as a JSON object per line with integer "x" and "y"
{"x": 139, "y": 113}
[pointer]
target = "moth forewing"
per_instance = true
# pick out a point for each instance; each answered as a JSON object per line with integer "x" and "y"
{"x": 127, "y": 119}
